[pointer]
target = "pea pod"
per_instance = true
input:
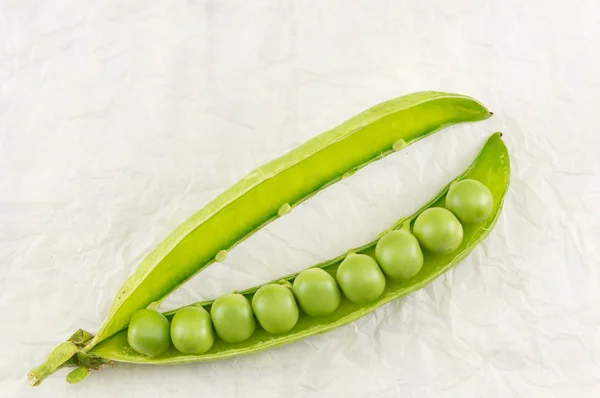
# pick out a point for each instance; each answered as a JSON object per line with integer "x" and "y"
{"x": 491, "y": 167}
{"x": 283, "y": 184}
{"x": 271, "y": 191}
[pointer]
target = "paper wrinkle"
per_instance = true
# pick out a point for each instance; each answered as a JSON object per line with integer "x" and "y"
{"x": 119, "y": 121}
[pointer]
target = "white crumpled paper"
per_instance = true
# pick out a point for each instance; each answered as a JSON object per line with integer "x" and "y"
{"x": 119, "y": 119}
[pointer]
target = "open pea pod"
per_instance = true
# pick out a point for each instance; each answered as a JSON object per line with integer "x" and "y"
{"x": 269, "y": 192}
{"x": 491, "y": 167}
{"x": 276, "y": 187}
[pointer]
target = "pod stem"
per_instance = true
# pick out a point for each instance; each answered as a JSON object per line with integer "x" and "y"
{"x": 58, "y": 358}
{"x": 70, "y": 353}
{"x": 39, "y": 374}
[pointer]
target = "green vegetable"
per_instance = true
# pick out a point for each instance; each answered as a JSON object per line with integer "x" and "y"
{"x": 317, "y": 292}
{"x": 192, "y": 331}
{"x": 271, "y": 191}
{"x": 280, "y": 185}
{"x": 399, "y": 255}
{"x": 360, "y": 278}
{"x": 438, "y": 230}
{"x": 470, "y": 201}
{"x": 275, "y": 308}
{"x": 232, "y": 317}
{"x": 492, "y": 167}
{"x": 148, "y": 332}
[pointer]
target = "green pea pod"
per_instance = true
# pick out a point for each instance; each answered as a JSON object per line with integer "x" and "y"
{"x": 273, "y": 190}
{"x": 281, "y": 184}
{"x": 491, "y": 167}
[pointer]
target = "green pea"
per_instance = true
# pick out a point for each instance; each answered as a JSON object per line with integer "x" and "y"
{"x": 232, "y": 317}
{"x": 438, "y": 230}
{"x": 192, "y": 331}
{"x": 317, "y": 292}
{"x": 471, "y": 201}
{"x": 275, "y": 308}
{"x": 399, "y": 255}
{"x": 360, "y": 278}
{"x": 148, "y": 332}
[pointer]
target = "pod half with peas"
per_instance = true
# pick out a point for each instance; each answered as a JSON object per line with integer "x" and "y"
{"x": 404, "y": 258}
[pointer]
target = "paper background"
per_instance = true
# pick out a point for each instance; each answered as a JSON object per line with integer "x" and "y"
{"x": 119, "y": 119}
